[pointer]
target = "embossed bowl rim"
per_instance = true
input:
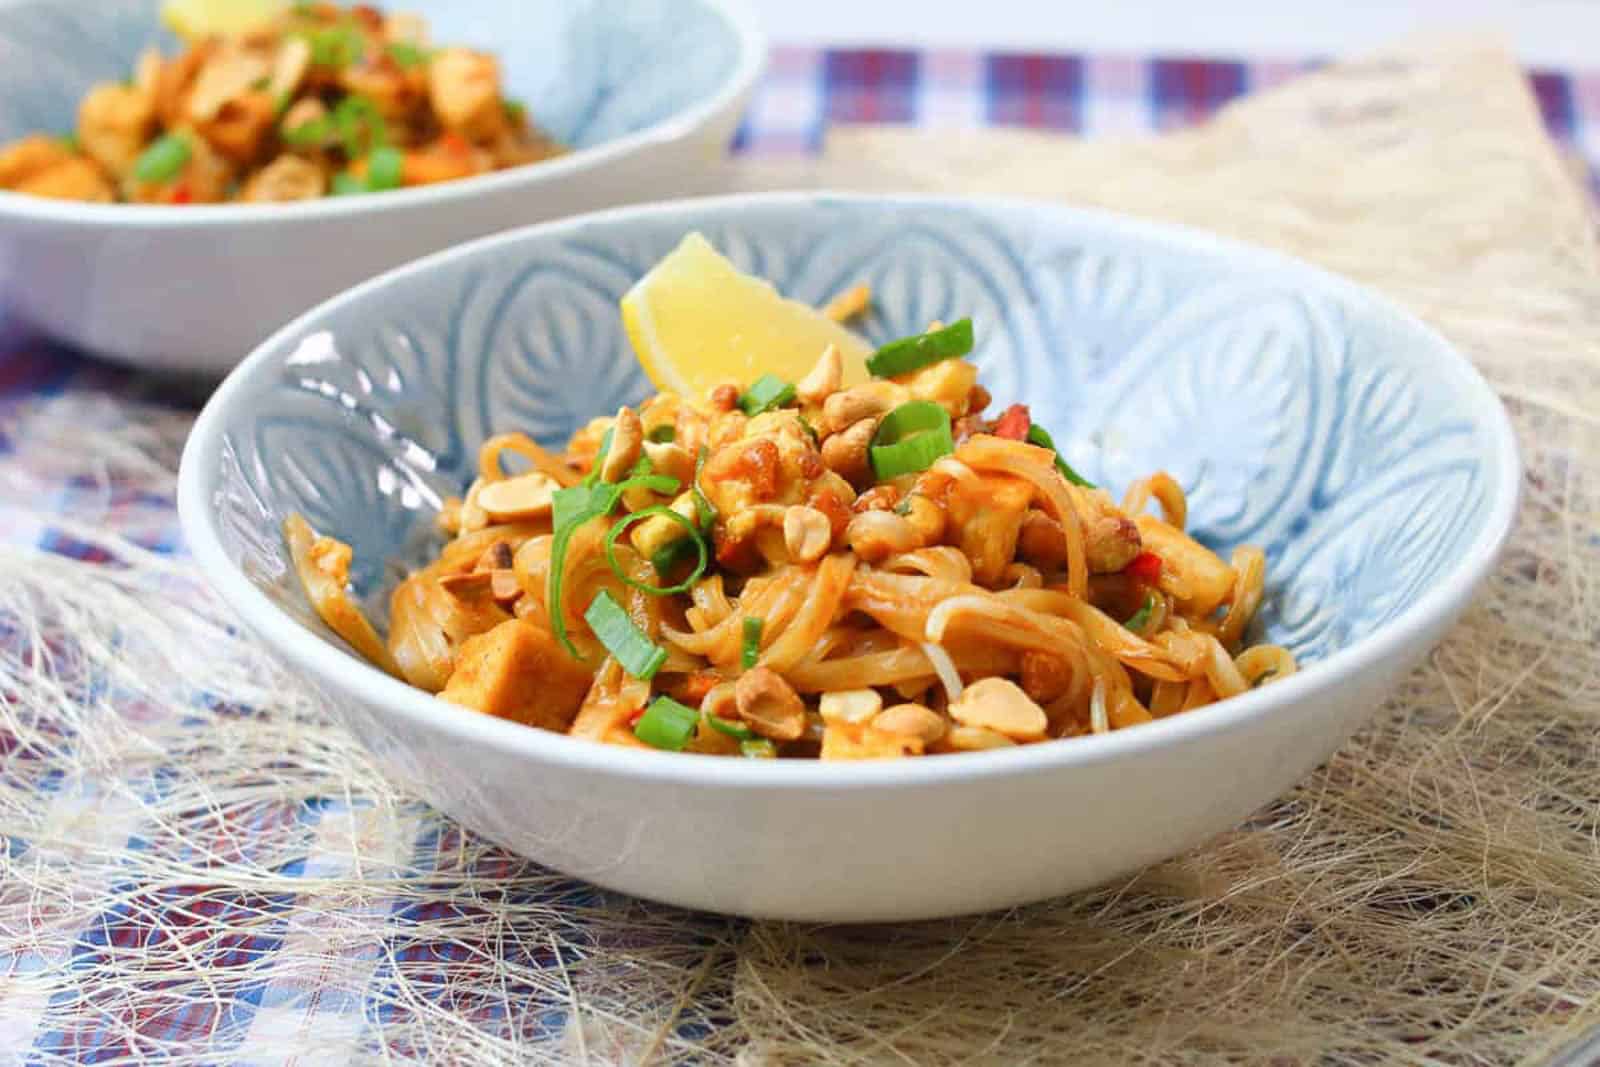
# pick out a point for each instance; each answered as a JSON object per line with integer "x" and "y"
{"x": 341, "y": 670}
{"x": 752, "y": 56}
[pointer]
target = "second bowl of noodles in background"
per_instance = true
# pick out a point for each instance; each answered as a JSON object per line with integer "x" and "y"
{"x": 1295, "y": 411}
{"x": 641, "y": 98}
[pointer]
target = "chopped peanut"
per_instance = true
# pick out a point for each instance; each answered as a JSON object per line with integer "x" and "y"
{"x": 527, "y": 496}
{"x": 853, "y": 707}
{"x": 770, "y": 705}
{"x": 806, "y": 533}
{"x": 997, "y": 704}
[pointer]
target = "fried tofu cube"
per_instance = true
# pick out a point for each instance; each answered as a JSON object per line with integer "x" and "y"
{"x": 72, "y": 179}
{"x": 114, "y": 122}
{"x": 29, "y": 157}
{"x": 519, "y": 671}
{"x": 241, "y": 127}
{"x": 464, "y": 88}
{"x": 845, "y": 741}
{"x": 988, "y": 518}
{"x": 1190, "y": 573}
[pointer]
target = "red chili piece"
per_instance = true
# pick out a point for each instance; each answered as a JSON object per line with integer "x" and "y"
{"x": 633, "y": 719}
{"x": 1013, "y": 423}
{"x": 182, "y": 194}
{"x": 1146, "y": 566}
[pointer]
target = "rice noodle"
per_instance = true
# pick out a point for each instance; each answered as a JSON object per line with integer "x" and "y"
{"x": 923, "y": 583}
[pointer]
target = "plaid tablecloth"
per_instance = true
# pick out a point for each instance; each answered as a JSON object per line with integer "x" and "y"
{"x": 805, "y": 89}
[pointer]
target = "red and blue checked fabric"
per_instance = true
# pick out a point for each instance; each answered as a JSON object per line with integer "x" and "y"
{"x": 341, "y": 1008}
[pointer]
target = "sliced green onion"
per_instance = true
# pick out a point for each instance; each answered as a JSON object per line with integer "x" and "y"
{"x": 1137, "y": 620}
{"x": 758, "y": 748}
{"x": 345, "y": 184}
{"x": 670, "y": 556}
{"x": 515, "y": 110}
{"x": 904, "y": 507}
{"x": 805, "y": 424}
{"x": 383, "y": 168}
{"x": 732, "y": 729}
{"x": 910, "y": 438}
{"x": 657, "y": 590}
{"x": 662, "y": 435}
{"x": 70, "y": 142}
{"x": 912, "y": 353}
{"x": 704, "y": 509}
{"x": 281, "y": 102}
{"x": 162, "y": 160}
{"x": 570, "y": 509}
{"x": 765, "y": 393}
{"x": 1270, "y": 672}
{"x": 639, "y": 656}
{"x": 1038, "y": 435}
{"x": 260, "y": 84}
{"x": 599, "y": 458}
{"x": 666, "y": 724}
{"x": 407, "y": 55}
{"x": 335, "y": 46}
{"x": 360, "y": 125}
{"x": 752, "y": 643}
{"x": 309, "y": 133}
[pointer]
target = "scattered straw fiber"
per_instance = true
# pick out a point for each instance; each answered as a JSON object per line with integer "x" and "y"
{"x": 196, "y": 838}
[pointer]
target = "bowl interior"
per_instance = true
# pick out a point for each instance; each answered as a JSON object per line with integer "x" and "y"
{"x": 1301, "y": 413}
{"x": 590, "y": 71}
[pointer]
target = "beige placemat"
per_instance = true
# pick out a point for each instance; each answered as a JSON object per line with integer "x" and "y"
{"x": 1431, "y": 896}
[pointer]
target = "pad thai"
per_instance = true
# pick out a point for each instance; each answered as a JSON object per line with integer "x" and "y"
{"x": 814, "y": 568}
{"x": 317, "y": 101}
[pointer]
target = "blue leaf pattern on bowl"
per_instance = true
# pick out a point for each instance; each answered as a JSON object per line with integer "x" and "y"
{"x": 1291, "y": 408}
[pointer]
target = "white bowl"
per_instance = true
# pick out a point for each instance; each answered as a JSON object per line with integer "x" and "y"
{"x": 649, "y": 91}
{"x": 1304, "y": 413}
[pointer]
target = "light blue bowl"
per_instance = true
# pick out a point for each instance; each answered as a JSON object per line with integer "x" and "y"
{"x": 1302, "y": 414}
{"x": 647, "y": 92}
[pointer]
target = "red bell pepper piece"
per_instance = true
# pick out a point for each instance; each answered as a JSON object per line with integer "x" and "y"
{"x": 1146, "y": 567}
{"x": 1013, "y": 423}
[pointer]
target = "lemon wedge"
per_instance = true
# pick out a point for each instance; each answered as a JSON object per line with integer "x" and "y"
{"x": 195, "y": 19}
{"x": 697, "y": 321}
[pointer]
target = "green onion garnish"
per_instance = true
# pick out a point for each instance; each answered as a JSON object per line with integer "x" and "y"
{"x": 910, "y": 438}
{"x": 360, "y": 125}
{"x": 639, "y": 656}
{"x": 752, "y": 643}
{"x": 671, "y": 555}
{"x": 515, "y": 110}
{"x": 335, "y": 46}
{"x": 645, "y": 513}
{"x": 1270, "y": 672}
{"x": 1137, "y": 620}
{"x": 758, "y": 748}
{"x": 281, "y": 102}
{"x": 383, "y": 168}
{"x": 662, "y": 435}
{"x": 309, "y": 133}
{"x": 599, "y": 458}
{"x": 912, "y": 353}
{"x": 407, "y": 55}
{"x": 765, "y": 393}
{"x": 805, "y": 424}
{"x": 70, "y": 142}
{"x": 1038, "y": 435}
{"x": 570, "y": 509}
{"x": 345, "y": 184}
{"x": 162, "y": 160}
{"x": 704, "y": 509}
{"x": 666, "y": 724}
{"x": 732, "y": 729}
